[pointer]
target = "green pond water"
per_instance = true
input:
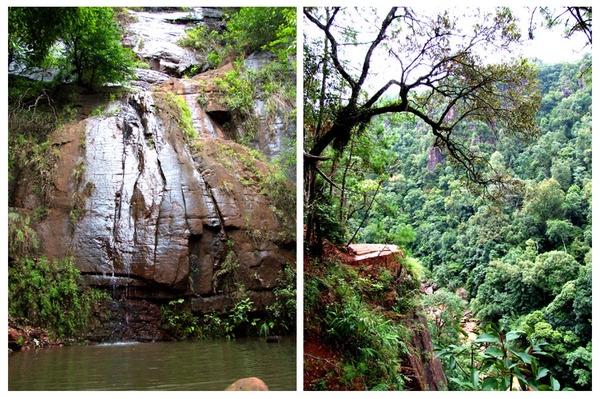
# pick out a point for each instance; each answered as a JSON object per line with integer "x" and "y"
{"x": 200, "y": 365}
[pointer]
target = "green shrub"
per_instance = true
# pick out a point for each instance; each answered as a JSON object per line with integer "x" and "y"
{"x": 177, "y": 319}
{"x": 499, "y": 360}
{"x": 281, "y": 316}
{"x": 22, "y": 239}
{"x": 47, "y": 294}
{"x": 338, "y": 310}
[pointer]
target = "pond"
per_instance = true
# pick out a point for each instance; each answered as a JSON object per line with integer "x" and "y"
{"x": 198, "y": 365}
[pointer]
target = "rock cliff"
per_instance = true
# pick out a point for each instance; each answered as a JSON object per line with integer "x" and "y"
{"x": 154, "y": 199}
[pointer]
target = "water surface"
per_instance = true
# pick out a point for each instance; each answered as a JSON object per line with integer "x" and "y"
{"x": 201, "y": 365}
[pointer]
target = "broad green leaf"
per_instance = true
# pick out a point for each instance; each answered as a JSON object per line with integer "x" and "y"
{"x": 494, "y": 351}
{"x": 442, "y": 352}
{"x": 554, "y": 384}
{"x": 541, "y": 373}
{"x": 489, "y": 384}
{"x": 487, "y": 338}
{"x": 475, "y": 376}
{"x": 512, "y": 335}
{"x": 452, "y": 364}
{"x": 523, "y": 356}
{"x": 462, "y": 383}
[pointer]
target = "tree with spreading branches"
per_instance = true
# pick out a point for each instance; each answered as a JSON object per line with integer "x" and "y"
{"x": 436, "y": 71}
{"x": 574, "y": 20}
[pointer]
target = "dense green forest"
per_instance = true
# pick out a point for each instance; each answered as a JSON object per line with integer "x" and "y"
{"x": 479, "y": 170}
{"x": 523, "y": 256}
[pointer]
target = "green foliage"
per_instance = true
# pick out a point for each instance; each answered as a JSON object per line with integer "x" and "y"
{"x": 206, "y": 41}
{"x": 281, "y": 315}
{"x": 259, "y": 28}
{"x": 505, "y": 292}
{"x": 527, "y": 251}
{"x": 369, "y": 342}
{"x": 240, "y": 319}
{"x": 580, "y": 363}
{"x": 445, "y": 310}
{"x": 340, "y": 309}
{"x": 178, "y": 320}
{"x": 22, "y": 239}
{"x": 271, "y": 83}
{"x": 90, "y": 50}
{"x": 551, "y": 271}
{"x": 249, "y": 30}
{"x": 497, "y": 359}
{"x": 182, "y": 323}
{"x": 47, "y": 294}
{"x": 566, "y": 353}
{"x": 32, "y": 116}
{"x": 225, "y": 279}
{"x": 178, "y": 109}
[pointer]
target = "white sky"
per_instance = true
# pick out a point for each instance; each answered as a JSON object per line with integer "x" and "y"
{"x": 548, "y": 45}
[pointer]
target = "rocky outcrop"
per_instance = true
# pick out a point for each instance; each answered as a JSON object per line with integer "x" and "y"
{"x": 374, "y": 255}
{"x": 248, "y": 384}
{"x": 22, "y": 336}
{"x": 427, "y": 369}
{"x": 154, "y": 36}
{"x": 435, "y": 157}
{"x": 162, "y": 217}
{"x": 156, "y": 203}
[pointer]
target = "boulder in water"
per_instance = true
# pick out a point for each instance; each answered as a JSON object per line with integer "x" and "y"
{"x": 248, "y": 384}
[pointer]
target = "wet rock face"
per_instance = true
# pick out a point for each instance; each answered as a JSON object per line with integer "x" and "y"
{"x": 154, "y": 36}
{"x": 163, "y": 220}
{"x": 151, "y": 215}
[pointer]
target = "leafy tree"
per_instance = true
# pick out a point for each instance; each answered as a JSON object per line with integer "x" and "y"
{"x": 504, "y": 293}
{"x": 565, "y": 356}
{"x": 551, "y": 271}
{"x": 81, "y": 42}
{"x": 445, "y": 309}
{"x": 580, "y": 364}
{"x": 452, "y": 85}
{"x": 572, "y": 307}
{"x": 32, "y": 31}
{"x": 48, "y": 295}
{"x": 544, "y": 202}
{"x": 259, "y": 28}
{"x": 92, "y": 51}
{"x": 492, "y": 249}
{"x": 574, "y": 206}
{"x": 560, "y": 232}
{"x": 574, "y": 19}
